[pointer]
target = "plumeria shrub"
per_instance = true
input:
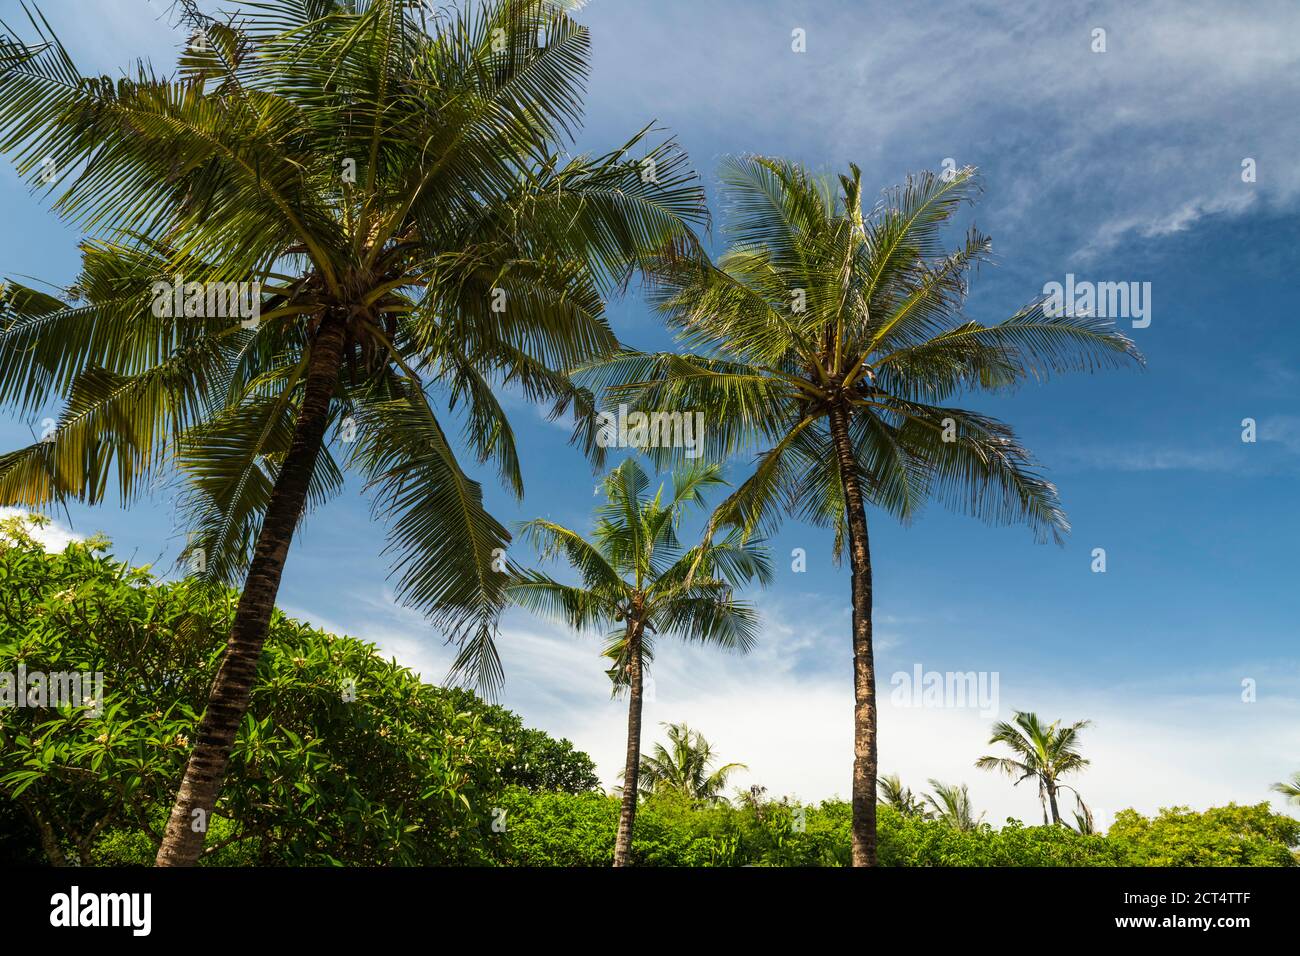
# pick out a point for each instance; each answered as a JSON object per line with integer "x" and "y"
{"x": 344, "y": 757}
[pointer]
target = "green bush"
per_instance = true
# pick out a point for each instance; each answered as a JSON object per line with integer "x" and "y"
{"x": 343, "y": 758}
{"x": 563, "y": 830}
{"x": 1220, "y": 836}
{"x": 557, "y": 829}
{"x": 537, "y": 760}
{"x": 911, "y": 841}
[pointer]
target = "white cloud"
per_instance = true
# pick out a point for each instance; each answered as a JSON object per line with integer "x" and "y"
{"x": 1282, "y": 429}
{"x": 1186, "y": 740}
{"x": 53, "y": 537}
{"x": 795, "y": 734}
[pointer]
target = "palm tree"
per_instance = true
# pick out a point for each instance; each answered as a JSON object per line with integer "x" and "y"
{"x": 901, "y": 798}
{"x": 397, "y": 210}
{"x": 637, "y": 585}
{"x": 828, "y": 340}
{"x": 1044, "y": 752}
{"x": 683, "y": 767}
{"x": 951, "y": 805}
{"x": 1289, "y": 789}
{"x": 1083, "y": 821}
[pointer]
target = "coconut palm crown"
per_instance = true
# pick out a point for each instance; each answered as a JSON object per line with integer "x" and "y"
{"x": 1042, "y": 752}
{"x": 901, "y": 798}
{"x": 950, "y": 804}
{"x": 685, "y": 767}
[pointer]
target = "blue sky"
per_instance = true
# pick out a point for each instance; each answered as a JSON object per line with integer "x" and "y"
{"x": 1115, "y": 166}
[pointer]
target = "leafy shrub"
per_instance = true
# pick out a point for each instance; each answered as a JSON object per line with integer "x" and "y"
{"x": 556, "y": 829}
{"x": 343, "y": 758}
{"x": 563, "y": 830}
{"x": 1220, "y": 836}
{"x": 537, "y": 760}
{"x": 911, "y": 841}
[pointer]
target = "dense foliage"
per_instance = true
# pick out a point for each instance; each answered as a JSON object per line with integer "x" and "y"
{"x": 344, "y": 757}
{"x": 565, "y": 830}
{"x": 537, "y": 760}
{"x": 1220, "y": 836}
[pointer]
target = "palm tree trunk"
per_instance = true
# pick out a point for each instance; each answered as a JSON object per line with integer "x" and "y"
{"x": 631, "y": 769}
{"x": 182, "y": 843}
{"x": 1051, "y": 796}
{"x": 864, "y": 667}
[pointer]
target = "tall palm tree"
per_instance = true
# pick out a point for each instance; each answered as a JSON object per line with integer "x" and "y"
{"x": 1042, "y": 752}
{"x": 828, "y": 339}
{"x": 951, "y": 805}
{"x": 901, "y": 798}
{"x": 683, "y": 767}
{"x": 637, "y": 585}
{"x": 1289, "y": 789}
{"x": 397, "y": 204}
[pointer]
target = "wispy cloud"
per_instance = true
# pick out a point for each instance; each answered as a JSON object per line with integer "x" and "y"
{"x": 1283, "y": 430}
{"x": 1136, "y": 143}
{"x": 1277, "y": 441}
{"x": 1143, "y": 458}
